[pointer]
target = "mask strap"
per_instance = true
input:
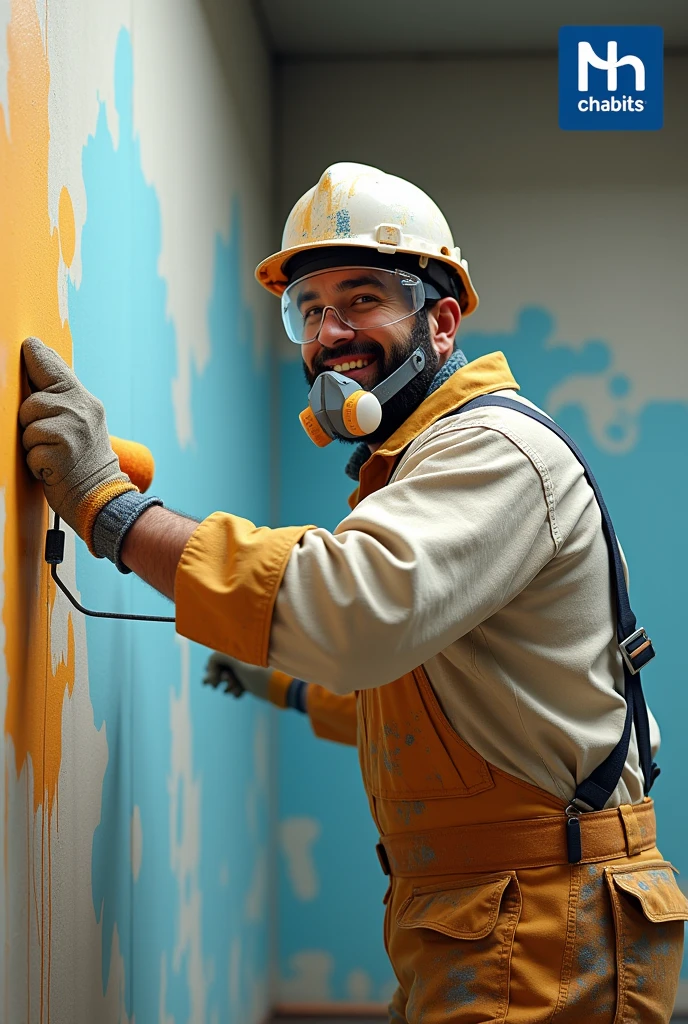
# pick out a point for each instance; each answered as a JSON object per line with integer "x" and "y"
{"x": 402, "y": 376}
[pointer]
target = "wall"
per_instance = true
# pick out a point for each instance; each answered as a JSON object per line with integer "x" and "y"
{"x": 576, "y": 245}
{"x": 134, "y": 806}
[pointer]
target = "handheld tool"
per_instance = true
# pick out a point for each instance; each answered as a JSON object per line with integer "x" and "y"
{"x": 137, "y": 462}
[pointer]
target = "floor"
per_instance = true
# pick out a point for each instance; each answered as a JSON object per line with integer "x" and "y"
{"x": 375, "y": 1020}
{"x": 328, "y": 1020}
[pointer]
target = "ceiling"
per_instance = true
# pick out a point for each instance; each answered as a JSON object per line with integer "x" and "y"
{"x": 387, "y": 28}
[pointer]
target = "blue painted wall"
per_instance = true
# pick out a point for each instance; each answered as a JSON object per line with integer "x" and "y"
{"x": 193, "y": 926}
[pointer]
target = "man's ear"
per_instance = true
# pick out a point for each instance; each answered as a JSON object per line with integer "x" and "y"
{"x": 444, "y": 318}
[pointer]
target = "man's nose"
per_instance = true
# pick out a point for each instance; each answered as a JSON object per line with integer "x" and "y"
{"x": 333, "y": 329}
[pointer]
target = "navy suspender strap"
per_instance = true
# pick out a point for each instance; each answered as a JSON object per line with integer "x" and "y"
{"x": 635, "y": 646}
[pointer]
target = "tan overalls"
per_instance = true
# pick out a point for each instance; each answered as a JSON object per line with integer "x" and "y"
{"x": 485, "y": 918}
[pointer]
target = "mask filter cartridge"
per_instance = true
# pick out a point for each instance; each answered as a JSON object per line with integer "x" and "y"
{"x": 339, "y": 407}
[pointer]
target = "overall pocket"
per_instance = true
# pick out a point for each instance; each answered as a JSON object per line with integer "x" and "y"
{"x": 408, "y": 751}
{"x": 649, "y": 911}
{"x": 451, "y": 949}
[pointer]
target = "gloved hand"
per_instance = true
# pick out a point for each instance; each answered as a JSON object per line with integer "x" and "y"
{"x": 265, "y": 683}
{"x": 66, "y": 437}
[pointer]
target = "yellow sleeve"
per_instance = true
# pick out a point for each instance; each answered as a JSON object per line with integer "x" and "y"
{"x": 278, "y": 688}
{"x": 333, "y": 716}
{"x": 227, "y": 581}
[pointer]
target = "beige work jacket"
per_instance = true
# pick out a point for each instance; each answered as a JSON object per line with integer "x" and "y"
{"x": 474, "y": 547}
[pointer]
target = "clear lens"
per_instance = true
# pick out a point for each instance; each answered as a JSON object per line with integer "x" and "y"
{"x": 363, "y": 298}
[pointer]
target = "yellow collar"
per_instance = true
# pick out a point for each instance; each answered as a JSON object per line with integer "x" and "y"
{"x": 481, "y": 377}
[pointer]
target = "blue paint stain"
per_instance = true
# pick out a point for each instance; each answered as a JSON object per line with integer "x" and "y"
{"x": 342, "y": 224}
{"x": 125, "y": 351}
{"x": 592, "y": 988}
{"x": 422, "y": 854}
{"x": 410, "y": 739}
{"x": 389, "y": 759}
{"x": 642, "y": 949}
{"x": 593, "y": 960}
{"x": 460, "y": 990}
{"x": 616, "y": 431}
{"x": 406, "y": 808}
{"x": 619, "y": 386}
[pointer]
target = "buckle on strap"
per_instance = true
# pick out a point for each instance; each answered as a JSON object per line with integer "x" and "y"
{"x": 636, "y": 650}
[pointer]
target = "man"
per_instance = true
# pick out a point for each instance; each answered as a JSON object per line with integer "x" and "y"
{"x": 461, "y": 623}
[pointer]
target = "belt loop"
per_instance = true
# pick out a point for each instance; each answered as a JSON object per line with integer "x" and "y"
{"x": 634, "y": 839}
{"x": 382, "y": 857}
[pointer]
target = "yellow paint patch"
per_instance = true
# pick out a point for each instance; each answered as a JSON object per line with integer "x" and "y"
{"x": 65, "y": 218}
{"x": 314, "y": 215}
{"x": 29, "y": 262}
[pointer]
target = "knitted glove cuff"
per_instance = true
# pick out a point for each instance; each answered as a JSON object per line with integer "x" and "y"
{"x": 296, "y": 695}
{"x": 113, "y": 523}
{"x": 91, "y": 505}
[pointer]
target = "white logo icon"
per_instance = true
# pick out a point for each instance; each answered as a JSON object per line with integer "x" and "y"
{"x": 588, "y": 58}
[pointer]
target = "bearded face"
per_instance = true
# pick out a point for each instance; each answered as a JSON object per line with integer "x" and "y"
{"x": 371, "y": 358}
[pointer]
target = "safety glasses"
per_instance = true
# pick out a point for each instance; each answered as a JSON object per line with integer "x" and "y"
{"x": 363, "y": 298}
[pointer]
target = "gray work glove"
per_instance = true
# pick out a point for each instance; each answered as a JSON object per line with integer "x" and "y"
{"x": 66, "y": 438}
{"x": 239, "y": 677}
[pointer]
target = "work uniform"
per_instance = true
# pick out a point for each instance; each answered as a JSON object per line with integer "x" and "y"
{"x": 467, "y": 601}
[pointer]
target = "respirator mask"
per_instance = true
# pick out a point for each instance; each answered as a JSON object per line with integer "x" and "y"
{"x": 363, "y": 298}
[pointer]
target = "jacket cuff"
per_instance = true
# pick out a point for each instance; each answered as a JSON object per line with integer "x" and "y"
{"x": 278, "y": 688}
{"x": 227, "y": 582}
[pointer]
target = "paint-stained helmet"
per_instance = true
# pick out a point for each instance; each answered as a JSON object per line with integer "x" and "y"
{"x": 354, "y": 205}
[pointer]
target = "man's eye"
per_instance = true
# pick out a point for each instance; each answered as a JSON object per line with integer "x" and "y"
{"x": 361, "y": 300}
{"x": 311, "y": 313}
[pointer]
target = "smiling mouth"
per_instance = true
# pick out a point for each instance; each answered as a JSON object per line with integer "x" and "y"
{"x": 353, "y": 364}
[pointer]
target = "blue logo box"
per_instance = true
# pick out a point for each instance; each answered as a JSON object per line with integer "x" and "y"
{"x": 611, "y": 77}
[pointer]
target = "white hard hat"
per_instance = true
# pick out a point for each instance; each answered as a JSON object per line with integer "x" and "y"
{"x": 357, "y": 205}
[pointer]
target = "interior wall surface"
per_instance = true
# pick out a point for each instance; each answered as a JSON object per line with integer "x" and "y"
{"x": 134, "y": 802}
{"x": 576, "y": 244}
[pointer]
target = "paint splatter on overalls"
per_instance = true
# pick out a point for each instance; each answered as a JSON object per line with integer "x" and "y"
{"x": 490, "y": 914}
